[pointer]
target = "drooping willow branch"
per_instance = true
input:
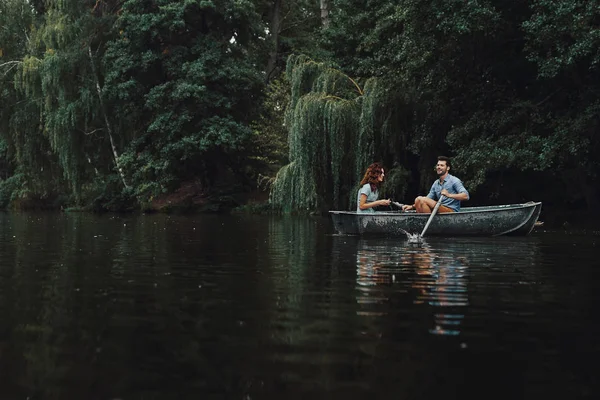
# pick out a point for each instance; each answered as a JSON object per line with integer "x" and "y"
{"x": 333, "y": 135}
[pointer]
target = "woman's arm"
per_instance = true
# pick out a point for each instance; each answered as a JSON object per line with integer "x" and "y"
{"x": 363, "y": 205}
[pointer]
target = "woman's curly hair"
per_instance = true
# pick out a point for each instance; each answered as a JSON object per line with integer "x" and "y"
{"x": 371, "y": 176}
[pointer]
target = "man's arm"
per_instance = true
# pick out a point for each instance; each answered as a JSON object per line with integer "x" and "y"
{"x": 461, "y": 195}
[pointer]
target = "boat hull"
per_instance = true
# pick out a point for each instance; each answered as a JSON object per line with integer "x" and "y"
{"x": 512, "y": 219}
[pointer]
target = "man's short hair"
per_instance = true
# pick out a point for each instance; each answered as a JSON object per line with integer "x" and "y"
{"x": 444, "y": 158}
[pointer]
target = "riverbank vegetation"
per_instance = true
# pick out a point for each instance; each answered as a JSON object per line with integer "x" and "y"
{"x": 162, "y": 105}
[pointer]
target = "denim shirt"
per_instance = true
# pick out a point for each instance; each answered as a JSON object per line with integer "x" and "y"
{"x": 453, "y": 185}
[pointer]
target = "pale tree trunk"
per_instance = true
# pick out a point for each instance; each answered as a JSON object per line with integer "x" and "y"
{"x": 274, "y": 37}
{"x": 106, "y": 121}
{"x": 325, "y": 13}
{"x": 89, "y": 159}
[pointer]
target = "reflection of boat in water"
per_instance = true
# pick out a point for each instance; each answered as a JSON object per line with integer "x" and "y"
{"x": 396, "y": 278}
{"x": 371, "y": 271}
{"x": 513, "y": 219}
{"x": 435, "y": 279}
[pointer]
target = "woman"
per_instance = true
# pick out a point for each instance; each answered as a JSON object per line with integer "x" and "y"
{"x": 369, "y": 191}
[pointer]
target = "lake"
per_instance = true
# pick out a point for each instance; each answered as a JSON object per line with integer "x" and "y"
{"x": 264, "y": 307}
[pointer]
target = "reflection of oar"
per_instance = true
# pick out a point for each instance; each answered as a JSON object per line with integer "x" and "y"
{"x": 432, "y": 214}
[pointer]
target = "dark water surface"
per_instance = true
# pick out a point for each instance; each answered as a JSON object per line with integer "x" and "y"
{"x": 234, "y": 307}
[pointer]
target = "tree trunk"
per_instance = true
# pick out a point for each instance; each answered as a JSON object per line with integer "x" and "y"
{"x": 106, "y": 121}
{"x": 325, "y": 13}
{"x": 274, "y": 38}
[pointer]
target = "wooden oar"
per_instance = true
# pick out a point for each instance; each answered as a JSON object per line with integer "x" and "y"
{"x": 437, "y": 205}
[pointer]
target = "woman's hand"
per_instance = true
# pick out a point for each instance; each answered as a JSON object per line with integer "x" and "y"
{"x": 385, "y": 202}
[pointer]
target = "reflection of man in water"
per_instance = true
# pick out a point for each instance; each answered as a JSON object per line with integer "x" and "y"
{"x": 445, "y": 288}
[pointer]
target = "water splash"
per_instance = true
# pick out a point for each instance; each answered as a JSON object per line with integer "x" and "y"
{"x": 413, "y": 238}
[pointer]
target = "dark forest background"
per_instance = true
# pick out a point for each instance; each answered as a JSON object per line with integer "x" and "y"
{"x": 279, "y": 105}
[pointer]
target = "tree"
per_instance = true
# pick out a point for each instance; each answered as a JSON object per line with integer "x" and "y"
{"x": 441, "y": 59}
{"x": 293, "y": 27}
{"x": 563, "y": 40}
{"x": 28, "y": 168}
{"x": 336, "y": 129}
{"x": 61, "y": 71}
{"x": 187, "y": 86}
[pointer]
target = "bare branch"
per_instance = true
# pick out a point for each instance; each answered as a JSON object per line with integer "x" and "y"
{"x": 286, "y": 15}
{"x": 301, "y": 22}
{"x": 548, "y": 97}
{"x": 10, "y": 63}
{"x": 8, "y": 70}
{"x": 91, "y": 132}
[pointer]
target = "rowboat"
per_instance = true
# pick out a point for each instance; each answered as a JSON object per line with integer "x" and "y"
{"x": 510, "y": 219}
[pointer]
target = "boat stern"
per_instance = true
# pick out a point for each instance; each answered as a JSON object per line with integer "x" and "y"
{"x": 345, "y": 223}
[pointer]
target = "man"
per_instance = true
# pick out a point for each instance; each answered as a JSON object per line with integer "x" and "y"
{"x": 448, "y": 185}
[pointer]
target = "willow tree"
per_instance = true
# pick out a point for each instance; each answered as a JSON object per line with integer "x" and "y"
{"x": 29, "y": 168}
{"x": 62, "y": 71}
{"x": 336, "y": 128}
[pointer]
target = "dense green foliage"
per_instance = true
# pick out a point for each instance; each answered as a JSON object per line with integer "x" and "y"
{"x": 335, "y": 127}
{"x": 116, "y": 104}
{"x": 134, "y": 97}
{"x": 183, "y": 77}
{"x": 502, "y": 86}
